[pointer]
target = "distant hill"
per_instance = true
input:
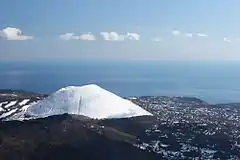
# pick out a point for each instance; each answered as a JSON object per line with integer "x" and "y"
{"x": 8, "y": 94}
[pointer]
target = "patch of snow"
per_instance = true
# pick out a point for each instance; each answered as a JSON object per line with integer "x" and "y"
{"x": 24, "y": 108}
{"x": 132, "y": 98}
{"x": 20, "y": 116}
{"x": 89, "y": 100}
{"x": 207, "y": 151}
{"x": 3, "y": 103}
{"x": 25, "y": 101}
{"x": 1, "y": 109}
{"x": 142, "y": 146}
{"x": 175, "y": 122}
{"x": 164, "y": 136}
{"x": 237, "y": 145}
{"x": 4, "y": 94}
{"x": 164, "y": 145}
{"x": 156, "y": 146}
{"x": 12, "y": 103}
{"x": 8, "y": 113}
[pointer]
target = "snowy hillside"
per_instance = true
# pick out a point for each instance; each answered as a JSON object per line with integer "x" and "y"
{"x": 89, "y": 100}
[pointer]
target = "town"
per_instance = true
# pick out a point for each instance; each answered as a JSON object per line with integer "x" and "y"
{"x": 189, "y": 127}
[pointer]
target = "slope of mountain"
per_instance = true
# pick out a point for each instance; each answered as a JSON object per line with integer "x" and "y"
{"x": 69, "y": 137}
{"x": 13, "y": 104}
{"x": 89, "y": 100}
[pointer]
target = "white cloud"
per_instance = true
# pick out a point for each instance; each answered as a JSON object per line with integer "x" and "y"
{"x": 112, "y": 36}
{"x": 202, "y": 35}
{"x": 10, "y": 33}
{"x": 133, "y": 36}
{"x": 157, "y": 39}
{"x": 226, "y": 39}
{"x": 87, "y": 37}
{"x": 69, "y": 36}
{"x": 176, "y": 33}
{"x": 73, "y": 36}
{"x": 189, "y": 35}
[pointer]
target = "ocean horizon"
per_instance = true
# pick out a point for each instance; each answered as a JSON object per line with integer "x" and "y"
{"x": 211, "y": 81}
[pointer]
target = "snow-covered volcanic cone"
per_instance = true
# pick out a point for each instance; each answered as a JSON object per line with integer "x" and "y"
{"x": 89, "y": 100}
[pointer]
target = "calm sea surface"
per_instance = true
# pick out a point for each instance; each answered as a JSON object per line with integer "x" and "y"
{"x": 215, "y": 82}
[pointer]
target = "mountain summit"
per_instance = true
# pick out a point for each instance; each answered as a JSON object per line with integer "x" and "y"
{"x": 89, "y": 100}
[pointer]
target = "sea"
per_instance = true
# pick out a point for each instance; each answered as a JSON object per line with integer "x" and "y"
{"x": 212, "y": 81}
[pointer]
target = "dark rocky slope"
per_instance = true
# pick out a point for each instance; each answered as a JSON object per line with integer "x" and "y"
{"x": 70, "y": 137}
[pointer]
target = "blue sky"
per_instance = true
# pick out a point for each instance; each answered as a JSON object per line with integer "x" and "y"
{"x": 126, "y": 29}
